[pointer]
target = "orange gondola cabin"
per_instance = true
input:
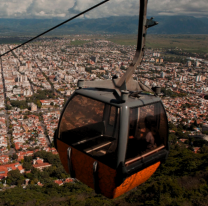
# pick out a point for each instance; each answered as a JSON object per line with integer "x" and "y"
{"x": 113, "y": 135}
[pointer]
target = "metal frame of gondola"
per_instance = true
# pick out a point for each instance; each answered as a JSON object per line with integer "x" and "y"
{"x": 125, "y": 169}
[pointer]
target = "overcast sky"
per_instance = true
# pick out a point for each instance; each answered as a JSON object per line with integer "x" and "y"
{"x": 67, "y": 8}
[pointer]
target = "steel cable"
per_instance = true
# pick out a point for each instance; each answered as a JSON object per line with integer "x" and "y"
{"x": 68, "y": 20}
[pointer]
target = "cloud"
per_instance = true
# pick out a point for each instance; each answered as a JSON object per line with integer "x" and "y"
{"x": 179, "y": 7}
{"x": 131, "y": 7}
{"x": 13, "y": 8}
{"x": 49, "y": 8}
{"x": 111, "y": 8}
{"x": 35, "y": 8}
{"x": 68, "y": 8}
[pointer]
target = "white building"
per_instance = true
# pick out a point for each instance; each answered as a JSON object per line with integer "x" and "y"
{"x": 162, "y": 74}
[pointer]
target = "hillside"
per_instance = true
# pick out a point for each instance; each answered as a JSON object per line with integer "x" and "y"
{"x": 181, "y": 181}
{"x": 119, "y": 25}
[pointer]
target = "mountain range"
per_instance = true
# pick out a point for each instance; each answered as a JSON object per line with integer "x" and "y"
{"x": 109, "y": 25}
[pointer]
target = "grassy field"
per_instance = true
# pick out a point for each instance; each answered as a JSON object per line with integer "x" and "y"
{"x": 12, "y": 40}
{"x": 189, "y": 43}
{"x": 78, "y": 42}
{"x": 123, "y": 39}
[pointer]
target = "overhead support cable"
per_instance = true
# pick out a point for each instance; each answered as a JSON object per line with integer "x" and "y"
{"x": 68, "y": 20}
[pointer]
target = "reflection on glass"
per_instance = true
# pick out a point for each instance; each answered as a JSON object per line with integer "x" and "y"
{"x": 89, "y": 126}
{"x": 112, "y": 115}
{"x": 81, "y": 111}
{"x": 147, "y": 130}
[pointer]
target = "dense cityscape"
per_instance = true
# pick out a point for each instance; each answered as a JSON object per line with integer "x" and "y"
{"x": 37, "y": 79}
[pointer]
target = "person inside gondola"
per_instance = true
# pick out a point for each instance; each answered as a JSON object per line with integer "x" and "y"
{"x": 151, "y": 132}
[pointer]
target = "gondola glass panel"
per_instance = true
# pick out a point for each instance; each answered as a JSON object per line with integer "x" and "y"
{"x": 90, "y": 126}
{"x": 147, "y": 131}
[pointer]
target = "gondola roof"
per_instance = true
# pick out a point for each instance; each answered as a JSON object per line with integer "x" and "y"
{"x": 111, "y": 96}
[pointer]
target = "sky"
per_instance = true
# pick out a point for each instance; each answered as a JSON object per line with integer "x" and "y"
{"x": 67, "y": 8}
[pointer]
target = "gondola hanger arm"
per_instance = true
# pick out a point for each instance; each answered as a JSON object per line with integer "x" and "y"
{"x": 144, "y": 24}
{"x": 126, "y": 82}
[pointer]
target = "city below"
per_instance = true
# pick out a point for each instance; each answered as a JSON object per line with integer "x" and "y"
{"x": 37, "y": 79}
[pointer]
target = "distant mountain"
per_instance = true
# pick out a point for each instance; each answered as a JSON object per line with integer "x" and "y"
{"x": 180, "y": 25}
{"x": 204, "y": 19}
{"x": 121, "y": 25}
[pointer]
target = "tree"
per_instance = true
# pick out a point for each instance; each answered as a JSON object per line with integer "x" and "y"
{"x": 172, "y": 126}
{"x": 19, "y": 104}
{"x": 204, "y": 149}
{"x": 27, "y": 166}
{"x": 38, "y": 104}
{"x": 192, "y": 127}
{"x": 182, "y": 135}
{"x": 180, "y": 127}
{"x": 173, "y": 138}
{"x": 14, "y": 175}
{"x": 14, "y": 156}
{"x": 123, "y": 68}
{"x": 195, "y": 123}
{"x": 8, "y": 107}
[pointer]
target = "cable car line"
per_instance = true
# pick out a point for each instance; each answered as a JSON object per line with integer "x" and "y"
{"x": 112, "y": 136}
{"x": 68, "y": 20}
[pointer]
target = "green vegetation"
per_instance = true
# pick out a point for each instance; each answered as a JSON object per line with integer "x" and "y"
{"x": 12, "y": 40}
{"x": 43, "y": 94}
{"x": 14, "y": 156}
{"x": 40, "y": 95}
{"x": 19, "y": 104}
{"x": 56, "y": 171}
{"x": 188, "y": 43}
{"x": 187, "y": 105}
{"x": 8, "y": 107}
{"x": 175, "y": 58}
{"x": 78, "y": 42}
{"x": 127, "y": 40}
{"x": 89, "y": 69}
{"x": 182, "y": 180}
{"x": 169, "y": 93}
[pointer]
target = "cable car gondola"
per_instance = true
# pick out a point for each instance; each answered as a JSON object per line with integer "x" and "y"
{"x": 113, "y": 135}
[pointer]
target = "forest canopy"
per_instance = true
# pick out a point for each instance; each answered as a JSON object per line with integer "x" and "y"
{"x": 182, "y": 180}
